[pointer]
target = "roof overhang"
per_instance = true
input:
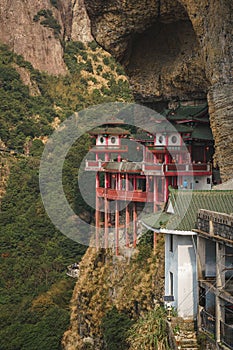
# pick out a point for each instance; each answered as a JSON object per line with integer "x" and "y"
{"x": 168, "y": 231}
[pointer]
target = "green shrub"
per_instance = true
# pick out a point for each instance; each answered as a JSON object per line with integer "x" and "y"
{"x": 150, "y": 331}
{"x": 48, "y": 21}
{"x": 54, "y": 3}
{"x": 93, "y": 45}
{"x": 106, "y": 61}
{"x": 88, "y": 66}
{"x": 99, "y": 69}
{"x": 115, "y": 326}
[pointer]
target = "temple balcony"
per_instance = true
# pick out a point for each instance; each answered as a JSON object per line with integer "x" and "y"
{"x": 215, "y": 225}
{"x": 110, "y": 148}
{"x": 135, "y": 196}
{"x": 125, "y": 167}
{"x": 166, "y": 149}
{"x": 149, "y": 168}
{"x": 187, "y": 169}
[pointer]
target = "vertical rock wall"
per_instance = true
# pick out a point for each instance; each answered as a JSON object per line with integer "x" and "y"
{"x": 37, "y": 43}
{"x": 151, "y": 38}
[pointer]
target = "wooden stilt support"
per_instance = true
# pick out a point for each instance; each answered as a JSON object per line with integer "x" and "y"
{"x": 156, "y": 194}
{"x": 97, "y": 223}
{"x": 97, "y": 215}
{"x": 127, "y": 226}
{"x": 134, "y": 225}
{"x": 105, "y": 223}
{"x": 117, "y": 229}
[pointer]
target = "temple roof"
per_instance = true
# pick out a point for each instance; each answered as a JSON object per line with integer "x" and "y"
{"x": 198, "y": 113}
{"x": 186, "y": 204}
{"x": 109, "y": 130}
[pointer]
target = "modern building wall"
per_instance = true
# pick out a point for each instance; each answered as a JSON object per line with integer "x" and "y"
{"x": 180, "y": 265}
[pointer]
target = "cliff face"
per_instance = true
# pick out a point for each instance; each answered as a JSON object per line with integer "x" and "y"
{"x": 38, "y": 43}
{"x": 174, "y": 49}
{"x": 178, "y": 49}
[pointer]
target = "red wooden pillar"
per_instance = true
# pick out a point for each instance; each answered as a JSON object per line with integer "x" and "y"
{"x": 180, "y": 157}
{"x": 127, "y": 219}
{"x": 166, "y": 157}
{"x": 147, "y": 184}
{"x": 156, "y": 194}
{"x": 105, "y": 223}
{"x": 117, "y": 228}
{"x": 119, "y": 181}
{"x": 127, "y": 182}
{"x": 134, "y": 183}
{"x": 134, "y": 225}
{"x": 166, "y": 188}
{"x": 97, "y": 214}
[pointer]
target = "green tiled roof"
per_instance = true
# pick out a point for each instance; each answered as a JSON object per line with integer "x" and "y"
{"x": 157, "y": 220}
{"x": 186, "y": 204}
{"x": 143, "y": 136}
{"x": 183, "y": 112}
{"x": 202, "y": 132}
{"x": 109, "y": 131}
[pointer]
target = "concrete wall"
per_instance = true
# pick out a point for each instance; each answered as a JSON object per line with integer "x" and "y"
{"x": 182, "y": 263}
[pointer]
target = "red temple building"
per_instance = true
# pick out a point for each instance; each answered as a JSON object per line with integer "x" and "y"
{"x": 134, "y": 171}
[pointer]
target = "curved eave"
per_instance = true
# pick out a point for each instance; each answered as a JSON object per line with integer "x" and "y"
{"x": 167, "y": 231}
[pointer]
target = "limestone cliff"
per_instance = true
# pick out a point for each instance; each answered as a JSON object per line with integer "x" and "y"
{"x": 178, "y": 49}
{"x": 37, "y": 41}
{"x": 175, "y": 49}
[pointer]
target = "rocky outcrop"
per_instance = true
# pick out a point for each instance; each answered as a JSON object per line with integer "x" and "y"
{"x": 41, "y": 44}
{"x": 178, "y": 49}
{"x": 35, "y": 42}
{"x": 174, "y": 48}
{"x": 81, "y": 26}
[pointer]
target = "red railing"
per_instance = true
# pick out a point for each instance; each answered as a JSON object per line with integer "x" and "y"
{"x": 203, "y": 167}
{"x": 109, "y": 148}
{"x": 151, "y": 168}
{"x": 156, "y": 169}
{"x": 135, "y": 196}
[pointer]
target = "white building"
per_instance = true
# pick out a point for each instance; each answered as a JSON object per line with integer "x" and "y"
{"x": 177, "y": 222}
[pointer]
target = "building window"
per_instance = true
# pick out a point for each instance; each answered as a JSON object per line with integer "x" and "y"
{"x": 174, "y": 139}
{"x": 171, "y": 243}
{"x": 160, "y": 139}
{"x": 113, "y": 140}
{"x": 171, "y": 284}
{"x": 102, "y": 139}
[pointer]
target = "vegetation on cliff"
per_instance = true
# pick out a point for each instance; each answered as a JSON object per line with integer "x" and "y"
{"x": 115, "y": 297}
{"x": 34, "y": 288}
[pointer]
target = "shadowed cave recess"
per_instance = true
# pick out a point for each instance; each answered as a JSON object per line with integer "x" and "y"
{"x": 174, "y": 51}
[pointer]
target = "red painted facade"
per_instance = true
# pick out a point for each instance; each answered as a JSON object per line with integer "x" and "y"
{"x": 126, "y": 185}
